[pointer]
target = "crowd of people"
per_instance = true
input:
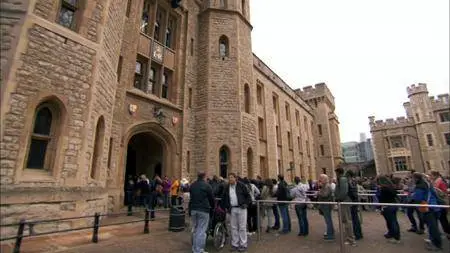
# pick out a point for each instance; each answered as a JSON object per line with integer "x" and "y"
{"x": 239, "y": 195}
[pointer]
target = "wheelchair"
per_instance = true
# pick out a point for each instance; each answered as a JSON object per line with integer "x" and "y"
{"x": 217, "y": 229}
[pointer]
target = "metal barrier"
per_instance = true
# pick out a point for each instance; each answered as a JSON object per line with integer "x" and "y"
{"x": 95, "y": 227}
{"x": 339, "y": 209}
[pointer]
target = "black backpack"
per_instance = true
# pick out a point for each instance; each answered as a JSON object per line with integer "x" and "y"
{"x": 352, "y": 190}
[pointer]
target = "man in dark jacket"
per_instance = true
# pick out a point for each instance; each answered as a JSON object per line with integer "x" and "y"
{"x": 236, "y": 198}
{"x": 200, "y": 204}
{"x": 282, "y": 195}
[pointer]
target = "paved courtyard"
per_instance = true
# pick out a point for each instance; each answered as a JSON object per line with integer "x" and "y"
{"x": 130, "y": 239}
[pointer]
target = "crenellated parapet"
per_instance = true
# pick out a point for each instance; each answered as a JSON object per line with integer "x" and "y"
{"x": 441, "y": 102}
{"x": 417, "y": 89}
{"x": 318, "y": 93}
{"x": 376, "y": 125}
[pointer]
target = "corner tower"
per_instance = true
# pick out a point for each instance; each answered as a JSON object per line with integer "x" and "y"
{"x": 421, "y": 110}
{"x": 226, "y": 123}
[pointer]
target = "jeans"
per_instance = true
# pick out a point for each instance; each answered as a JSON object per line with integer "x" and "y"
{"x": 151, "y": 203}
{"x": 326, "y": 211}
{"x": 444, "y": 220}
{"x": 284, "y": 212}
{"x": 129, "y": 198}
{"x": 268, "y": 212}
{"x": 200, "y": 221}
{"x": 390, "y": 215}
{"x": 276, "y": 215}
{"x": 238, "y": 220}
{"x": 434, "y": 234}
{"x": 301, "y": 211}
{"x": 252, "y": 218}
{"x": 410, "y": 213}
{"x": 356, "y": 224}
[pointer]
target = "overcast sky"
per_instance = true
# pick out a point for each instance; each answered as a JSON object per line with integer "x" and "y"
{"x": 367, "y": 51}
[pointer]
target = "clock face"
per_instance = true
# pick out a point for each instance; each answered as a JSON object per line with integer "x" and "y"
{"x": 157, "y": 52}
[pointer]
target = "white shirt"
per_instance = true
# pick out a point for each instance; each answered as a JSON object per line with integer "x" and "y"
{"x": 333, "y": 186}
{"x": 233, "y": 196}
{"x": 299, "y": 192}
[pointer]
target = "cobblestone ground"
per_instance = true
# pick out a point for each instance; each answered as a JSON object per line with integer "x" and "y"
{"x": 373, "y": 228}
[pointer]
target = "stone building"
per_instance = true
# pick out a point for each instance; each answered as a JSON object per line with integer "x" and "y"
{"x": 419, "y": 141}
{"x": 94, "y": 91}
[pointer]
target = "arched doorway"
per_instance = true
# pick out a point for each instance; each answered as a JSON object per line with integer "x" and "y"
{"x": 224, "y": 159}
{"x": 144, "y": 156}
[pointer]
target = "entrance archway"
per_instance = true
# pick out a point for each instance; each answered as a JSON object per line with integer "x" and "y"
{"x": 144, "y": 156}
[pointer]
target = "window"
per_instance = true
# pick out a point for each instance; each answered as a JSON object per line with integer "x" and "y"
{"x": 110, "y": 151}
{"x": 67, "y": 13}
{"x": 243, "y": 7}
{"x": 170, "y": 29}
{"x": 277, "y": 128}
{"x": 275, "y": 103}
{"x": 160, "y": 14}
{"x": 145, "y": 19}
{"x": 98, "y": 148}
{"x": 261, "y": 128}
{"x": 297, "y": 118}
{"x": 247, "y": 98}
{"x": 43, "y": 140}
{"x": 223, "y": 3}
{"x": 322, "y": 150}
{"x": 188, "y": 161}
{"x": 128, "y": 8}
{"x": 417, "y": 117}
{"x": 319, "y": 128}
{"x": 444, "y": 116}
{"x": 259, "y": 94}
{"x": 152, "y": 74}
{"x": 400, "y": 163}
{"x": 288, "y": 113}
{"x": 192, "y": 46}
{"x": 139, "y": 73}
{"x": 289, "y": 140}
{"x": 223, "y": 46}
{"x": 224, "y": 160}
{"x": 119, "y": 68}
{"x": 262, "y": 167}
{"x": 279, "y": 169}
{"x": 190, "y": 98}
{"x": 165, "y": 85}
{"x": 397, "y": 141}
{"x": 299, "y": 143}
{"x": 428, "y": 165}
{"x": 305, "y": 123}
{"x": 324, "y": 171}
{"x": 430, "y": 140}
{"x": 447, "y": 138}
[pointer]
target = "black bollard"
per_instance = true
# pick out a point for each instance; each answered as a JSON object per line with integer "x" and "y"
{"x": 19, "y": 236}
{"x": 130, "y": 209}
{"x": 96, "y": 226}
{"x": 147, "y": 219}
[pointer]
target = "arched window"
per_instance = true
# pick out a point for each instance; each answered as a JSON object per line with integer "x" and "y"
{"x": 250, "y": 163}
{"x": 247, "y": 98}
{"x": 43, "y": 140}
{"x": 224, "y": 161}
{"x": 223, "y": 46}
{"x": 98, "y": 148}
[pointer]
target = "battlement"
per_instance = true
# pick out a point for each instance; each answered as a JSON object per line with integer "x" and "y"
{"x": 389, "y": 123}
{"x": 319, "y": 90}
{"x": 440, "y": 102}
{"x": 416, "y": 89}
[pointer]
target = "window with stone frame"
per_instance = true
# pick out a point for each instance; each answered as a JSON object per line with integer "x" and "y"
{"x": 69, "y": 12}
{"x": 444, "y": 116}
{"x": 246, "y": 98}
{"x": 44, "y": 137}
{"x": 288, "y": 112}
{"x": 128, "y": 10}
{"x": 165, "y": 85}
{"x": 243, "y": 7}
{"x": 400, "y": 163}
{"x": 261, "y": 129}
{"x": 159, "y": 21}
{"x": 319, "y": 128}
{"x": 224, "y": 46}
{"x": 322, "y": 150}
{"x": 259, "y": 94}
{"x": 190, "y": 97}
{"x": 297, "y": 117}
{"x": 170, "y": 32}
{"x": 397, "y": 141}
{"x": 146, "y": 18}
{"x": 223, "y": 3}
{"x": 447, "y": 138}
{"x": 430, "y": 141}
{"x": 290, "y": 144}
{"x": 308, "y": 149}
{"x": 140, "y": 73}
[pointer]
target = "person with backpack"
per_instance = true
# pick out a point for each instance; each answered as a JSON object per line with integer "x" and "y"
{"x": 441, "y": 187}
{"x": 424, "y": 193}
{"x": 353, "y": 195}
{"x": 283, "y": 194}
{"x": 341, "y": 195}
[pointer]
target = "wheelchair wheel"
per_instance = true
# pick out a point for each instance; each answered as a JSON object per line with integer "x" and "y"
{"x": 219, "y": 236}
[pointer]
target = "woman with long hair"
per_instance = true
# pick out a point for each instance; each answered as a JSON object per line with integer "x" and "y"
{"x": 387, "y": 193}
